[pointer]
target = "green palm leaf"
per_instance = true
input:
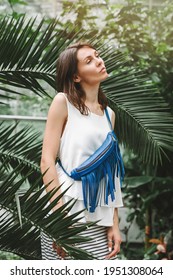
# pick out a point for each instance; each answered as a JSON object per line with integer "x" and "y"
{"x": 24, "y": 209}
{"x": 20, "y": 146}
{"x": 24, "y": 238}
{"x": 143, "y": 124}
{"x": 143, "y": 119}
{"x": 30, "y": 56}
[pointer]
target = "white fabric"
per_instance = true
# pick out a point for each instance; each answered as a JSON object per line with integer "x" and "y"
{"x": 81, "y": 137}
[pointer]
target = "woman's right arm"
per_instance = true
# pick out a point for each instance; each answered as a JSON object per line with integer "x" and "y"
{"x": 56, "y": 119}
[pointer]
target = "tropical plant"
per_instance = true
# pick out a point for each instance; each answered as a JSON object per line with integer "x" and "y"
{"x": 31, "y": 57}
{"x": 25, "y": 211}
{"x": 28, "y": 54}
{"x": 145, "y": 34}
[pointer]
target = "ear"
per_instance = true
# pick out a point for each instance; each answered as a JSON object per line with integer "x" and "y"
{"x": 76, "y": 79}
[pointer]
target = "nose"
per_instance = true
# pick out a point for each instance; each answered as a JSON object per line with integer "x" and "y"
{"x": 98, "y": 61}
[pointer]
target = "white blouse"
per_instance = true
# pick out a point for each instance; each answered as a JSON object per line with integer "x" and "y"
{"x": 81, "y": 137}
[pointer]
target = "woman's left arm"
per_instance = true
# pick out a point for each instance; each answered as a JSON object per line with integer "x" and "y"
{"x": 113, "y": 232}
{"x": 114, "y": 237}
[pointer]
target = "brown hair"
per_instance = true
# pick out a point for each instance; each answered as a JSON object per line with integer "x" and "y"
{"x": 66, "y": 69}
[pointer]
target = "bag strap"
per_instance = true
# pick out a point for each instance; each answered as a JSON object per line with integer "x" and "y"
{"x": 108, "y": 118}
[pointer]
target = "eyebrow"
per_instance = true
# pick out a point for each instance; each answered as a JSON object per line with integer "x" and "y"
{"x": 89, "y": 56}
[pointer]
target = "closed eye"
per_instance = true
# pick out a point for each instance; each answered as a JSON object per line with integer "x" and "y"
{"x": 88, "y": 61}
{"x": 90, "y": 58}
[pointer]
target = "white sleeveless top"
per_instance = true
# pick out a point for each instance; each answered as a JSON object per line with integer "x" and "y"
{"x": 81, "y": 137}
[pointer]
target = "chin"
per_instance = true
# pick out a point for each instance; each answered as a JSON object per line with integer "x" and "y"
{"x": 105, "y": 77}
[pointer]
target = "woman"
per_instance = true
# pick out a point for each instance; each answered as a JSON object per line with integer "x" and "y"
{"x": 77, "y": 125}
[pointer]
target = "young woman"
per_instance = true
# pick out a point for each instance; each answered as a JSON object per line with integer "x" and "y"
{"x": 77, "y": 125}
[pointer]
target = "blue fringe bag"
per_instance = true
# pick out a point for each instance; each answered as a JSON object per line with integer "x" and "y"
{"x": 104, "y": 164}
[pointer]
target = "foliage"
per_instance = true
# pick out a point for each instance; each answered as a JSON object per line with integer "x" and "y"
{"x": 8, "y": 256}
{"x": 28, "y": 55}
{"x": 146, "y": 35}
{"x": 31, "y": 58}
{"x": 20, "y": 148}
{"x": 149, "y": 195}
{"x": 161, "y": 249}
{"x": 24, "y": 213}
{"x": 81, "y": 17}
{"x": 139, "y": 195}
{"x": 143, "y": 33}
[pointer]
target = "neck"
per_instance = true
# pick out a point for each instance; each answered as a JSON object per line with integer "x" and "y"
{"x": 91, "y": 100}
{"x": 91, "y": 94}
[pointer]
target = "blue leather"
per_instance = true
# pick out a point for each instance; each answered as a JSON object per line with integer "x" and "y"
{"x": 95, "y": 159}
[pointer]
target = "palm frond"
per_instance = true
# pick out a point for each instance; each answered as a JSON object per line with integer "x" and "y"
{"x": 144, "y": 123}
{"x": 20, "y": 146}
{"x": 24, "y": 239}
{"x": 28, "y": 54}
{"x": 31, "y": 54}
{"x": 143, "y": 119}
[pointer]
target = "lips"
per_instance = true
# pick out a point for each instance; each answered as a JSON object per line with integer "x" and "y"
{"x": 103, "y": 69}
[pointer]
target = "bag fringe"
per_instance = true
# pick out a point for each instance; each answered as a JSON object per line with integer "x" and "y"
{"x": 92, "y": 191}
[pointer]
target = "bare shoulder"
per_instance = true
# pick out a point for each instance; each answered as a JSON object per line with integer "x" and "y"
{"x": 60, "y": 99}
{"x": 59, "y": 105}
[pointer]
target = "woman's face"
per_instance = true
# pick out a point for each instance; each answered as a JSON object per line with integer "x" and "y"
{"x": 91, "y": 68}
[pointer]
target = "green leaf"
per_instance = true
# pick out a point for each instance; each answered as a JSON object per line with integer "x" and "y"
{"x": 21, "y": 233}
{"x": 137, "y": 181}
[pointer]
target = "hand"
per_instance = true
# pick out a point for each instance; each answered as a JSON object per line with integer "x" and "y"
{"x": 114, "y": 241}
{"x": 59, "y": 250}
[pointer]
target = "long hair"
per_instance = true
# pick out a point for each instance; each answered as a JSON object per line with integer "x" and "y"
{"x": 66, "y": 69}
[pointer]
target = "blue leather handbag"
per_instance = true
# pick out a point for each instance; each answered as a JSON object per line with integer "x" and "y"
{"x": 103, "y": 165}
{"x": 93, "y": 162}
